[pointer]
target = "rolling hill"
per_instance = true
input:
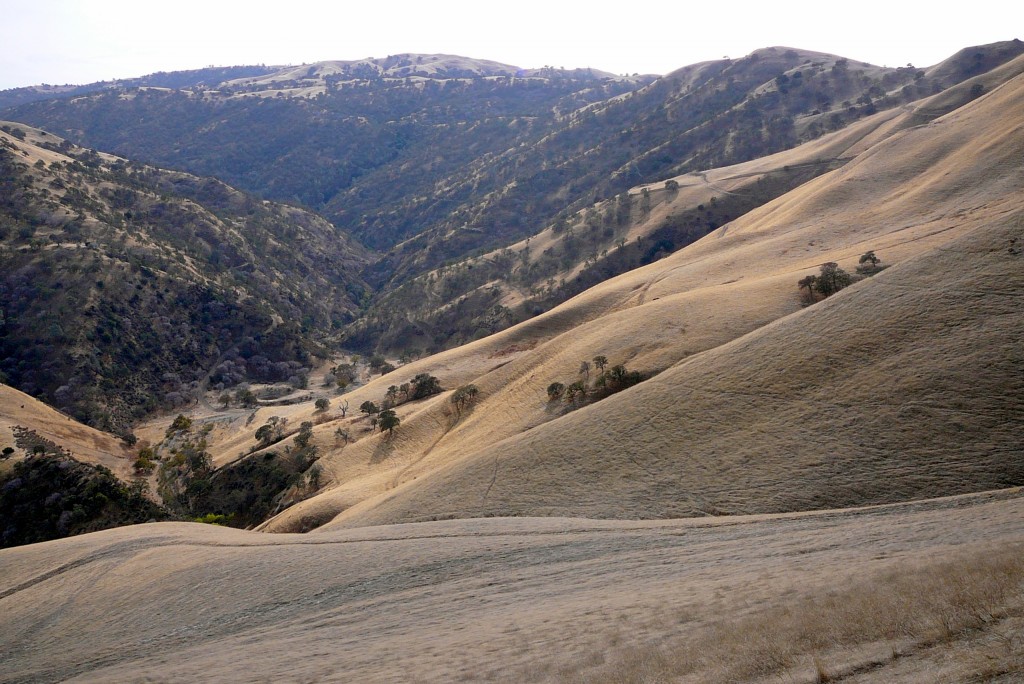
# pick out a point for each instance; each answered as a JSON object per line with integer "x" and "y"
{"x": 60, "y": 478}
{"x": 693, "y": 470}
{"x": 524, "y": 150}
{"x": 126, "y": 287}
{"x": 902, "y": 386}
{"x": 922, "y": 592}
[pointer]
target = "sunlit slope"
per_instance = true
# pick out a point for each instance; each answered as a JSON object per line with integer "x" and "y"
{"x": 20, "y": 413}
{"x": 505, "y": 366}
{"x": 820, "y": 408}
{"x": 477, "y": 600}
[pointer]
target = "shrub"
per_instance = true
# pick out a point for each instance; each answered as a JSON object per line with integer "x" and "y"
{"x": 425, "y": 385}
{"x": 464, "y": 396}
{"x": 179, "y": 424}
{"x": 555, "y": 391}
{"x": 832, "y": 279}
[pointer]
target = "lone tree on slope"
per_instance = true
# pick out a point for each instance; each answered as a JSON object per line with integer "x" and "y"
{"x": 464, "y": 396}
{"x": 388, "y": 420}
{"x": 585, "y": 371}
{"x": 809, "y": 282}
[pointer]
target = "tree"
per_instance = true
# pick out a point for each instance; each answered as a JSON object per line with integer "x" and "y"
{"x": 315, "y": 472}
{"x": 585, "y": 371}
{"x": 180, "y": 424}
{"x": 265, "y": 434}
{"x": 344, "y": 408}
{"x": 344, "y": 374}
{"x": 832, "y": 279}
{"x": 869, "y": 256}
{"x": 343, "y": 433}
{"x": 271, "y": 431}
{"x": 868, "y": 264}
{"x": 388, "y": 420}
{"x": 600, "y": 361}
{"x": 575, "y": 391}
{"x": 391, "y": 396}
{"x": 424, "y": 385}
{"x": 369, "y": 408}
{"x": 810, "y": 283}
{"x": 305, "y": 434}
{"x": 464, "y": 396}
{"x": 617, "y": 375}
{"x": 246, "y": 398}
{"x": 555, "y": 391}
{"x": 322, "y": 404}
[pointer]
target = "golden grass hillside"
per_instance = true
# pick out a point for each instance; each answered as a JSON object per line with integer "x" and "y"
{"x": 20, "y": 411}
{"x": 905, "y": 385}
{"x": 921, "y": 592}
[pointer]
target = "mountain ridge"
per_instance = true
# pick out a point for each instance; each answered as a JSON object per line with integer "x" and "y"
{"x": 124, "y": 283}
{"x": 912, "y": 219}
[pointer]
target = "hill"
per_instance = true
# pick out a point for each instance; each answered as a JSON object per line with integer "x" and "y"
{"x": 902, "y": 386}
{"x": 195, "y": 78}
{"x": 345, "y": 138}
{"x": 524, "y": 151}
{"x": 822, "y": 399}
{"x": 125, "y": 287}
{"x": 922, "y": 592}
{"x": 60, "y": 478}
{"x": 26, "y": 423}
{"x": 465, "y": 299}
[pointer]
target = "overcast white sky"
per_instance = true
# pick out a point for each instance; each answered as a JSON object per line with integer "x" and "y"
{"x": 81, "y": 41}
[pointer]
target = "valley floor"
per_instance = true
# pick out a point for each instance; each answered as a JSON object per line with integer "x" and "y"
{"x": 905, "y": 591}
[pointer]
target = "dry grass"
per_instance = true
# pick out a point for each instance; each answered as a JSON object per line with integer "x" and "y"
{"x": 85, "y": 443}
{"x": 839, "y": 633}
{"x": 907, "y": 385}
{"x": 541, "y": 599}
{"x": 904, "y": 386}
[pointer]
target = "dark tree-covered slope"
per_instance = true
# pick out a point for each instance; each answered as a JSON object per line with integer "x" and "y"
{"x": 121, "y": 284}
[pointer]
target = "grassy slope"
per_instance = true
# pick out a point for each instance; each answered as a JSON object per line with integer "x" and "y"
{"x": 855, "y": 400}
{"x": 524, "y": 600}
{"x": 86, "y": 444}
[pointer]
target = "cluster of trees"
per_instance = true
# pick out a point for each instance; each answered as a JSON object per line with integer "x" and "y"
{"x": 464, "y": 397}
{"x": 605, "y": 381}
{"x": 342, "y": 375}
{"x": 831, "y": 278}
{"x": 49, "y": 496}
{"x": 384, "y": 416}
{"x": 244, "y": 493}
{"x": 378, "y": 364}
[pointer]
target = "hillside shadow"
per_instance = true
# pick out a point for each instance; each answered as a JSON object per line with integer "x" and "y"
{"x": 385, "y": 449}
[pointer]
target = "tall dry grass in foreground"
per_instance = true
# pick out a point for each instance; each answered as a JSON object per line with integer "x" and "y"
{"x": 975, "y": 601}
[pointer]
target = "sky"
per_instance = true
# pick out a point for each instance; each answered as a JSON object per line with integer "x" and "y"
{"x": 83, "y": 41}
